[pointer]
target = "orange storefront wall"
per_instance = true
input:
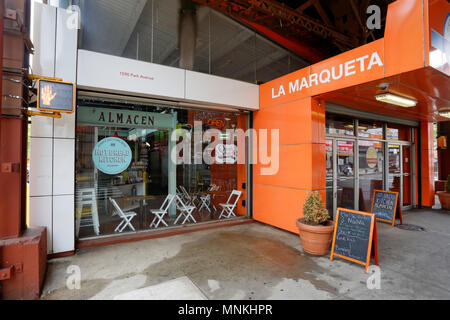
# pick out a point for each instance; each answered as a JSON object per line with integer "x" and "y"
{"x": 279, "y": 198}
{"x": 294, "y": 109}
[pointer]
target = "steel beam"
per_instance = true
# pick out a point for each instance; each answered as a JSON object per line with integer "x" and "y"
{"x": 275, "y": 10}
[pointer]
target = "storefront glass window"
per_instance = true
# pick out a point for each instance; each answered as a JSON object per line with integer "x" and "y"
{"x": 149, "y": 31}
{"x": 370, "y": 129}
{"x": 340, "y": 125}
{"x": 371, "y": 162}
{"x": 353, "y": 175}
{"x": 140, "y": 167}
{"x": 398, "y": 132}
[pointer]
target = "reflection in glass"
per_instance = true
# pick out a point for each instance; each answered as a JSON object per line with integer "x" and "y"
{"x": 345, "y": 174}
{"x": 149, "y": 31}
{"x": 398, "y": 132}
{"x": 136, "y": 198}
{"x": 370, "y": 129}
{"x": 341, "y": 125}
{"x": 329, "y": 177}
{"x": 371, "y": 161}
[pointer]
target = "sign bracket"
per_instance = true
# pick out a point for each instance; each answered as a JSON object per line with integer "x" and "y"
{"x": 55, "y": 115}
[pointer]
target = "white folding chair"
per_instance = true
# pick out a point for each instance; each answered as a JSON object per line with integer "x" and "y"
{"x": 161, "y": 212}
{"x": 185, "y": 211}
{"x": 180, "y": 193}
{"x": 87, "y": 197}
{"x": 228, "y": 207}
{"x": 126, "y": 217}
{"x": 189, "y": 198}
{"x": 206, "y": 202}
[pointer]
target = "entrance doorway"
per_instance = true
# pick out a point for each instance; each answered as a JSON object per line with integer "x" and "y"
{"x": 399, "y": 179}
{"x": 371, "y": 157}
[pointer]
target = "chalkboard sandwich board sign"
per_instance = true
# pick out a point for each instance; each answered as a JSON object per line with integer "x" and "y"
{"x": 355, "y": 237}
{"x": 386, "y": 207}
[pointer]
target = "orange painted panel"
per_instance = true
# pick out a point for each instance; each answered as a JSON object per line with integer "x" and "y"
{"x": 295, "y": 167}
{"x": 318, "y": 121}
{"x": 404, "y": 37}
{"x": 426, "y": 24}
{"x": 293, "y": 120}
{"x": 278, "y": 206}
{"x": 363, "y": 64}
{"x": 318, "y": 166}
{"x": 284, "y": 89}
{"x": 427, "y": 176}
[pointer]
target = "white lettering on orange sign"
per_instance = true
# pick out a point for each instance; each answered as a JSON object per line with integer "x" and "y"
{"x": 347, "y": 69}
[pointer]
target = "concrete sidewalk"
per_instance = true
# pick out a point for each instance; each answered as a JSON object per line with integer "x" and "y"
{"x": 255, "y": 261}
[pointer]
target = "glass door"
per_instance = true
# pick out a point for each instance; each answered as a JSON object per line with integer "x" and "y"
{"x": 330, "y": 177}
{"x": 400, "y": 174}
{"x": 340, "y": 178}
{"x": 395, "y": 168}
{"x": 345, "y": 174}
{"x": 406, "y": 177}
{"x": 356, "y": 167}
{"x": 371, "y": 163}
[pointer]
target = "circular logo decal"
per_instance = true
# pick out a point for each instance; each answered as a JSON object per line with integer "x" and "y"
{"x": 111, "y": 155}
{"x": 372, "y": 157}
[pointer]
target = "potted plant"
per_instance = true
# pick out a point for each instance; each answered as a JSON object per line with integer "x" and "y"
{"x": 444, "y": 196}
{"x": 315, "y": 228}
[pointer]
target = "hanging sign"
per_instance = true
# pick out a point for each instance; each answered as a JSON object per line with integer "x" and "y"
{"x": 386, "y": 207}
{"x": 56, "y": 96}
{"x": 111, "y": 155}
{"x": 355, "y": 237}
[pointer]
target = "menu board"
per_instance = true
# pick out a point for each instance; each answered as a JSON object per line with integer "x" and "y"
{"x": 353, "y": 236}
{"x": 384, "y": 205}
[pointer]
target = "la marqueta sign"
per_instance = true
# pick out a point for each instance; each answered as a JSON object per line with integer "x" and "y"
{"x": 328, "y": 75}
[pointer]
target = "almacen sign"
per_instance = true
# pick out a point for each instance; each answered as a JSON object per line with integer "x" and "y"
{"x": 56, "y": 96}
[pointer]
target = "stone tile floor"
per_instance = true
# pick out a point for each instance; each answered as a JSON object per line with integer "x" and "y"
{"x": 256, "y": 261}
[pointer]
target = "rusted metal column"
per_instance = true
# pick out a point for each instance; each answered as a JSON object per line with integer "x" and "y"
{"x": 22, "y": 250}
{"x": 11, "y": 136}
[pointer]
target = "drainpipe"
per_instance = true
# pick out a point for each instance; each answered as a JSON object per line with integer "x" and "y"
{"x": 187, "y": 33}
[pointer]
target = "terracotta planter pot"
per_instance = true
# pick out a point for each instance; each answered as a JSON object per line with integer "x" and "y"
{"x": 316, "y": 239}
{"x": 444, "y": 199}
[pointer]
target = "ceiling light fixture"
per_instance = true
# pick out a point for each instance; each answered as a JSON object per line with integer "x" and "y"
{"x": 396, "y": 100}
{"x": 445, "y": 113}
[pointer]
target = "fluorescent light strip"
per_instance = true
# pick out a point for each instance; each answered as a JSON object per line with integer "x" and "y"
{"x": 396, "y": 100}
{"x": 445, "y": 113}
